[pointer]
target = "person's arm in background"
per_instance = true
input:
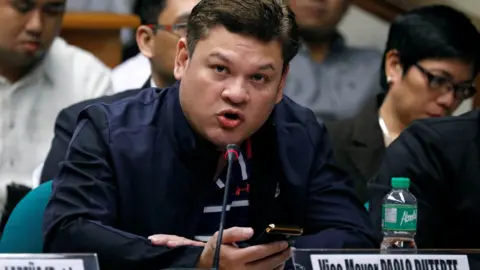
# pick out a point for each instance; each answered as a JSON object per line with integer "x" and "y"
{"x": 81, "y": 215}
{"x": 14, "y": 193}
{"x": 417, "y": 154}
{"x": 97, "y": 78}
{"x": 335, "y": 213}
{"x": 64, "y": 126}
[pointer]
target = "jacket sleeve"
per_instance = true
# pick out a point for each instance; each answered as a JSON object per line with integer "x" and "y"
{"x": 81, "y": 215}
{"x": 417, "y": 154}
{"x": 64, "y": 127}
{"x": 335, "y": 214}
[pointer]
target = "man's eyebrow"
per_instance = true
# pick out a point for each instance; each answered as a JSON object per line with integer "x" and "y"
{"x": 226, "y": 60}
{"x": 267, "y": 66}
{"x": 58, "y": 2}
{"x": 220, "y": 57}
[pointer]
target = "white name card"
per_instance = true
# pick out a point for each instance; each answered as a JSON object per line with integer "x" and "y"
{"x": 389, "y": 262}
{"x": 41, "y": 264}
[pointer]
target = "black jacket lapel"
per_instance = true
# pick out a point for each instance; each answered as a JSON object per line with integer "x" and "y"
{"x": 366, "y": 147}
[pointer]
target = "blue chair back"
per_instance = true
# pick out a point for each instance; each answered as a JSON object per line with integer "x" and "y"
{"x": 23, "y": 232}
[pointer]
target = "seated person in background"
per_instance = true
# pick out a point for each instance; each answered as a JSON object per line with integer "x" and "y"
{"x": 39, "y": 75}
{"x": 158, "y": 42}
{"x": 328, "y": 76}
{"x": 163, "y": 24}
{"x": 152, "y": 165}
{"x": 442, "y": 159}
{"x": 431, "y": 60}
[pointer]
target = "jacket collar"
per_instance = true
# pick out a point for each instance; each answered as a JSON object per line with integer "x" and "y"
{"x": 366, "y": 129}
{"x": 366, "y": 147}
{"x": 188, "y": 143}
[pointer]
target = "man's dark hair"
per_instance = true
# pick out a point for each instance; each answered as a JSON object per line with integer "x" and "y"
{"x": 432, "y": 32}
{"x": 265, "y": 20}
{"x": 150, "y": 10}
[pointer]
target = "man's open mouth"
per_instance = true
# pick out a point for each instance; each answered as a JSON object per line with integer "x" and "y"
{"x": 232, "y": 116}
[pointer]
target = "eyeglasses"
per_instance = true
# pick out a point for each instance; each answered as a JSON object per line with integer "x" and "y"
{"x": 443, "y": 84}
{"x": 178, "y": 29}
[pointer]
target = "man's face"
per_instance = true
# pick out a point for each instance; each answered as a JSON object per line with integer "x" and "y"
{"x": 229, "y": 85}
{"x": 28, "y": 28}
{"x": 318, "y": 14}
{"x": 426, "y": 88}
{"x": 165, "y": 41}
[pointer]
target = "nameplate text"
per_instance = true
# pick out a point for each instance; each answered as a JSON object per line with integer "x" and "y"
{"x": 41, "y": 264}
{"x": 389, "y": 262}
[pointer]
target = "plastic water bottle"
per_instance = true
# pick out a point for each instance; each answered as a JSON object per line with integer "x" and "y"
{"x": 399, "y": 216}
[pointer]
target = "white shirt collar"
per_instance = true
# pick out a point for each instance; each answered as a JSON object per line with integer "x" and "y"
{"x": 152, "y": 83}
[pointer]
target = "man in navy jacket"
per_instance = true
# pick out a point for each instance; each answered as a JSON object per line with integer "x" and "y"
{"x": 150, "y": 167}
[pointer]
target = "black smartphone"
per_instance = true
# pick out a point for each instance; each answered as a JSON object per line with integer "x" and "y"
{"x": 274, "y": 233}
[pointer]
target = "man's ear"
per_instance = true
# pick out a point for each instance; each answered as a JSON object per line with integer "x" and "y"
{"x": 282, "y": 83}
{"x": 145, "y": 40}
{"x": 181, "y": 59}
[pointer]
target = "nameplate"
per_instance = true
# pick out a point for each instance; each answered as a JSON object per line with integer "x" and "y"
{"x": 41, "y": 264}
{"x": 389, "y": 262}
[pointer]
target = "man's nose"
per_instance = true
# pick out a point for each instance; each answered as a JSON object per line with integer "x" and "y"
{"x": 236, "y": 92}
{"x": 35, "y": 23}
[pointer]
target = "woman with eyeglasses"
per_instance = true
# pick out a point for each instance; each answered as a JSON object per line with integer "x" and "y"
{"x": 441, "y": 157}
{"x": 430, "y": 62}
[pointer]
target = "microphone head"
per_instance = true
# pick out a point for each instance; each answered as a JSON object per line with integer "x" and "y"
{"x": 231, "y": 152}
{"x": 231, "y": 146}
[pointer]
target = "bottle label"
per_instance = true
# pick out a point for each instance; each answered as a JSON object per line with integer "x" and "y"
{"x": 398, "y": 217}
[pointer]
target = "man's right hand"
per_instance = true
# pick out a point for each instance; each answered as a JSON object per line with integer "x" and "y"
{"x": 261, "y": 257}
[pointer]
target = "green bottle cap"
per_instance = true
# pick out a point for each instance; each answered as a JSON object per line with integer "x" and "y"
{"x": 400, "y": 182}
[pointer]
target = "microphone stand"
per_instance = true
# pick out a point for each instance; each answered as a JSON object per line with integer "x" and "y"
{"x": 231, "y": 155}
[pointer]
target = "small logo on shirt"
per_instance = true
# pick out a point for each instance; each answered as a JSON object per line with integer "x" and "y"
{"x": 239, "y": 190}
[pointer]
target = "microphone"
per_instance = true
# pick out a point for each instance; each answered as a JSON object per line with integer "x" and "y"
{"x": 231, "y": 155}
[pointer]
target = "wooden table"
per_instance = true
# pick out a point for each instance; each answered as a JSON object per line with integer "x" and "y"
{"x": 98, "y": 33}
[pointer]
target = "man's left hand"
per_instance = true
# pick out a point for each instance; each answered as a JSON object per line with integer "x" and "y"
{"x": 172, "y": 241}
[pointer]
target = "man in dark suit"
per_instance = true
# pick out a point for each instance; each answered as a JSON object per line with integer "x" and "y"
{"x": 163, "y": 23}
{"x": 430, "y": 62}
{"x": 442, "y": 159}
{"x": 153, "y": 164}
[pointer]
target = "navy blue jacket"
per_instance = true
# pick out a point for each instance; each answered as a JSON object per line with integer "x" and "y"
{"x": 65, "y": 125}
{"x": 135, "y": 168}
